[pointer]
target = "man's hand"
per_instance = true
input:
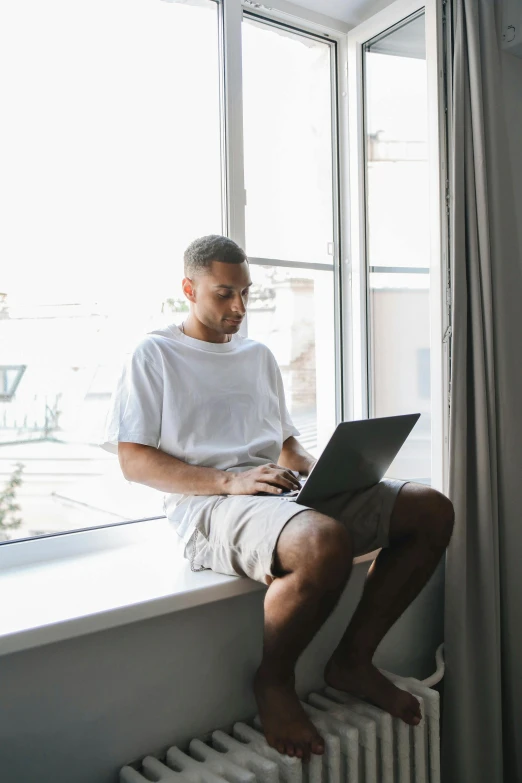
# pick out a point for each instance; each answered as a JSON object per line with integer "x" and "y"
{"x": 270, "y": 478}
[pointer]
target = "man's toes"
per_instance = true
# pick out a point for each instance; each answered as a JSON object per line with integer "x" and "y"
{"x": 302, "y": 751}
{"x": 415, "y": 709}
{"x": 412, "y": 718}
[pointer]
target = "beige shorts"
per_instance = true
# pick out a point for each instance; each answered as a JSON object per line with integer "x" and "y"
{"x": 240, "y": 536}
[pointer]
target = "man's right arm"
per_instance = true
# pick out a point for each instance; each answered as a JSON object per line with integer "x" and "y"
{"x": 153, "y": 467}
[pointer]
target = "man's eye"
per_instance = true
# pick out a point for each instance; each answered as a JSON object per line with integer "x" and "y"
{"x": 226, "y": 296}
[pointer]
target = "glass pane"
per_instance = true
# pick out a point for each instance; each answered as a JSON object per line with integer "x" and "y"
{"x": 288, "y": 144}
{"x": 291, "y": 311}
{"x": 109, "y": 167}
{"x": 398, "y": 237}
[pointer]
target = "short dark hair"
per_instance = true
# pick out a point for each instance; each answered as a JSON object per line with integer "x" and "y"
{"x": 201, "y": 252}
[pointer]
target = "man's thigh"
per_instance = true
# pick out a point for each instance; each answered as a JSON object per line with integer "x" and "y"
{"x": 243, "y": 531}
{"x": 366, "y": 514}
{"x": 241, "y": 534}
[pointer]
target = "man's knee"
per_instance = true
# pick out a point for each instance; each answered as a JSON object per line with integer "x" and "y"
{"x": 331, "y": 549}
{"x": 317, "y": 546}
{"x": 423, "y": 513}
{"x": 438, "y": 524}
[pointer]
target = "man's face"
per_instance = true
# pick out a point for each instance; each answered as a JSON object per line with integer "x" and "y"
{"x": 220, "y": 297}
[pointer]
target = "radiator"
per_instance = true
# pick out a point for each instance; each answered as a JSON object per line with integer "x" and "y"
{"x": 363, "y": 744}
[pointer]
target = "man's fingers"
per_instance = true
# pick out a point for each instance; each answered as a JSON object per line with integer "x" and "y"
{"x": 287, "y": 479}
{"x": 290, "y": 476}
{"x": 281, "y": 476}
{"x": 282, "y": 483}
{"x": 270, "y": 488}
{"x": 277, "y": 482}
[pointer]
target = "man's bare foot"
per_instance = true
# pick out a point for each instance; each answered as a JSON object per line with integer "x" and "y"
{"x": 366, "y": 682}
{"x": 286, "y": 726}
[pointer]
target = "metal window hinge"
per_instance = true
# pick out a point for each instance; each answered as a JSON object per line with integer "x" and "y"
{"x": 447, "y": 334}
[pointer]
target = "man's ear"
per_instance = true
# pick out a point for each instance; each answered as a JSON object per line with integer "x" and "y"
{"x": 189, "y": 289}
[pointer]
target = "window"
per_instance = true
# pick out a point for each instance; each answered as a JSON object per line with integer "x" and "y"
{"x": 176, "y": 119}
{"x": 289, "y": 176}
{"x": 423, "y": 373}
{"x": 399, "y": 231}
{"x": 110, "y": 164}
{"x": 398, "y": 234}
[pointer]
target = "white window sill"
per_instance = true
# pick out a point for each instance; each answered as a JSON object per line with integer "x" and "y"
{"x": 65, "y": 586}
{"x": 61, "y": 587}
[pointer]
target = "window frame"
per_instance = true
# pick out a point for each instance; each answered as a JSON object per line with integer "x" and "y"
{"x": 230, "y": 17}
{"x": 440, "y": 293}
{"x": 350, "y": 389}
{"x": 342, "y": 345}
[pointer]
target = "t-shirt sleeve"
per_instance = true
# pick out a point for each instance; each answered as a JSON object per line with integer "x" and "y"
{"x": 135, "y": 409}
{"x": 286, "y": 421}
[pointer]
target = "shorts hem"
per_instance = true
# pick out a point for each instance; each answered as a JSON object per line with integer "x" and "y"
{"x": 395, "y": 485}
{"x": 272, "y": 551}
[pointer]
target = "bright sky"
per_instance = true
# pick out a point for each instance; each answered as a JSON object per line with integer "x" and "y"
{"x": 110, "y": 148}
{"x": 109, "y": 160}
{"x": 397, "y": 97}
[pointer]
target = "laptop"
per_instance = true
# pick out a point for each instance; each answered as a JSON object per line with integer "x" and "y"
{"x": 355, "y": 458}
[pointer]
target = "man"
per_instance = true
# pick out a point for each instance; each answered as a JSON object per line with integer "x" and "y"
{"x": 200, "y": 414}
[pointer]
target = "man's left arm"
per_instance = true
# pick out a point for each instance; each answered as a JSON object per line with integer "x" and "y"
{"x": 295, "y": 457}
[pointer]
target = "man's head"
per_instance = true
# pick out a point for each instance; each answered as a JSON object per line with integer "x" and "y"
{"x": 216, "y": 283}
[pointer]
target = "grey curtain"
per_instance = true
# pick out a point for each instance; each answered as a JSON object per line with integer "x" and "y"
{"x": 482, "y": 730}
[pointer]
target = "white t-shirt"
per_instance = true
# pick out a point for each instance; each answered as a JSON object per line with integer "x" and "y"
{"x": 218, "y": 405}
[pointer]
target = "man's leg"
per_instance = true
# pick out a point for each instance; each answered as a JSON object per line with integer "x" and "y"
{"x": 420, "y": 529}
{"x": 313, "y": 559}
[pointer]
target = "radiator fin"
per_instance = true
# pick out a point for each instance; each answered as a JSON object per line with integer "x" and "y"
{"x": 363, "y": 744}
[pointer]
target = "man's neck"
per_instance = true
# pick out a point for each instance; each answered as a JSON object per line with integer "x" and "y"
{"x": 198, "y": 331}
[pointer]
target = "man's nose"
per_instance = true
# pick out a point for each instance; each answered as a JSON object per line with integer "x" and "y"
{"x": 239, "y": 305}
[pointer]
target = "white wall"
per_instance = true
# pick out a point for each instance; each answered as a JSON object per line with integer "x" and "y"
{"x": 77, "y": 710}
